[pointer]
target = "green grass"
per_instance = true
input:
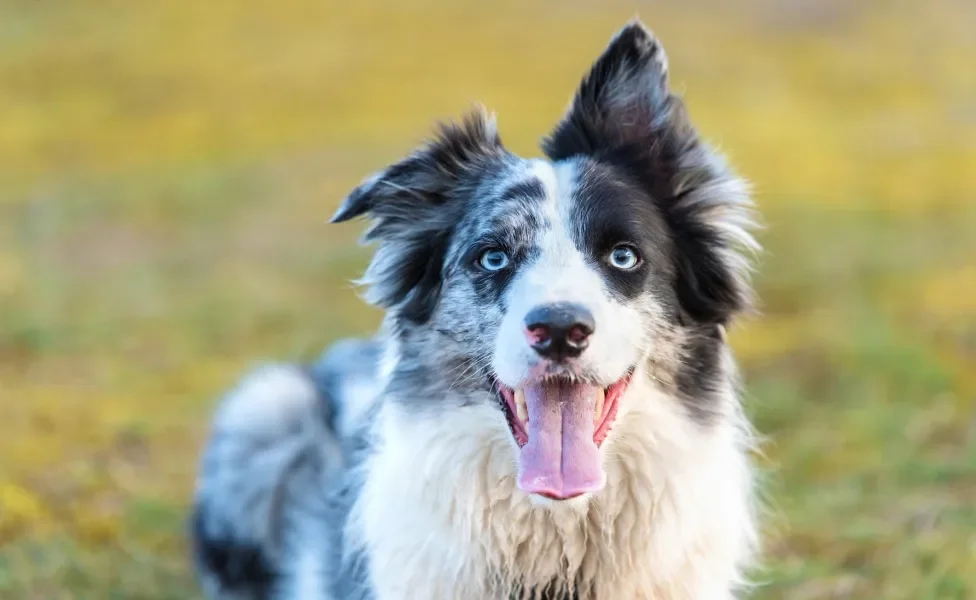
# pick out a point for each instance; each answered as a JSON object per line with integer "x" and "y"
{"x": 166, "y": 171}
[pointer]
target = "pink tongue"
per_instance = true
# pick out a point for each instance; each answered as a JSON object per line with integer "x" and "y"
{"x": 561, "y": 459}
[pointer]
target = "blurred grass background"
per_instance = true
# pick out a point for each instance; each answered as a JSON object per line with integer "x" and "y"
{"x": 166, "y": 170}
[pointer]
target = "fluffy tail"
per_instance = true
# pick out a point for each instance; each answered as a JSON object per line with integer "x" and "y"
{"x": 273, "y": 446}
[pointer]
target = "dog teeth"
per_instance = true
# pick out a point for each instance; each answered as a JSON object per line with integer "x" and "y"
{"x": 520, "y": 409}
{"x": 601, "y": 396}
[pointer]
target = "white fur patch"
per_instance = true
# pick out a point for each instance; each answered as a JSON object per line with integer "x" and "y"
{"x": 267, "y": 402}
{"x": 674, "y": 522}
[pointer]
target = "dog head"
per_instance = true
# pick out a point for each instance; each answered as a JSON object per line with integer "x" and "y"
{"x": 547, "y": 285}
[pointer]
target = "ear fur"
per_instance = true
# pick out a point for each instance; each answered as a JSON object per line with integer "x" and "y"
{"x": 624, "y": 113}
{"x": 414, "y": 204}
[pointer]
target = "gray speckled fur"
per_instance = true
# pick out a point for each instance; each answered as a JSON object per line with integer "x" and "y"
{"x": 275, "y": 471}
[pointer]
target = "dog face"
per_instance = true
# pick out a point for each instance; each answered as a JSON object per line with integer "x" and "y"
{"x": 546, "y": 285}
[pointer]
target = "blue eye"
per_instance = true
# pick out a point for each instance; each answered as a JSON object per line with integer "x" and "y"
{"x": 493, "y": 260}
{"x": 624, "y": 258}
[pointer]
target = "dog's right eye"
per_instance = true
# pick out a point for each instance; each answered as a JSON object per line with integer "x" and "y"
{"x": 493, "y": 260}
{"x": 624, "y": 257}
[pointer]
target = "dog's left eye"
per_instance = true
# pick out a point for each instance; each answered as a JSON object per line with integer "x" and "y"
{"x": 624, "y": 257}
{"x": 493, "y": 260}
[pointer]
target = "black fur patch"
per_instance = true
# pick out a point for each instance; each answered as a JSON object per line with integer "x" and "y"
{"x": 699, "y": 376}
{"x": 611, "y": 211}
{"x": 624, "y": 116}
{"x": 238, "y": 566}
{"x": 527, "y": 189}
{"x": 419, "y": 285}
{"x": 622, "y": 99}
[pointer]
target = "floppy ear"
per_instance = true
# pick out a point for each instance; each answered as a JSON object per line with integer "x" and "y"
{"x": 625, "y": 114}
{"x": 414, "y": 205}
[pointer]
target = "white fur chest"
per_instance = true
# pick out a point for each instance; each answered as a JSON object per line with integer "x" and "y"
{"x": 440, "y": 516}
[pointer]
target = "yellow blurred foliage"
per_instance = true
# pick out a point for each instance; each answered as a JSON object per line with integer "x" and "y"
{"x": 20, "y": 511}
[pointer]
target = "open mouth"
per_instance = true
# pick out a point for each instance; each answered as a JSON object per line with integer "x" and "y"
{"x": 559, "y": 425}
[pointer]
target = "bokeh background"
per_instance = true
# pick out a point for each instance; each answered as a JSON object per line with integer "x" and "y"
{"x": 167, "y": 168}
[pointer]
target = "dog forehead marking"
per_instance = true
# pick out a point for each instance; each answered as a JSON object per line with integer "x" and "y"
{"x": 546, "y": 173}
{"x": 560, "y": 271}
{"x": 559, "y": 181}
{"x": 555, "y": 238}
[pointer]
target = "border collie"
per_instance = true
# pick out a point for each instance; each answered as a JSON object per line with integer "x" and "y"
{"x": 550, "y": 409}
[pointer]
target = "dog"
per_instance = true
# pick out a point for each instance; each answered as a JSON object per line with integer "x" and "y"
{"x": 550, "y": 409}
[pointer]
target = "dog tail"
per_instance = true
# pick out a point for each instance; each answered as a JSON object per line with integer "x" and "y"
{"x": 274, "y": 444}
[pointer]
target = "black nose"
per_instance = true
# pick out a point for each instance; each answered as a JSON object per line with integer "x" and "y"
{"x": 559, "y": 331}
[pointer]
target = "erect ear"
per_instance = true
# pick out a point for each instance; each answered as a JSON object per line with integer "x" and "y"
{"x": 621, "y": 100}
{"x": 624, "y": 114}
{"x": 414, "y": 204}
